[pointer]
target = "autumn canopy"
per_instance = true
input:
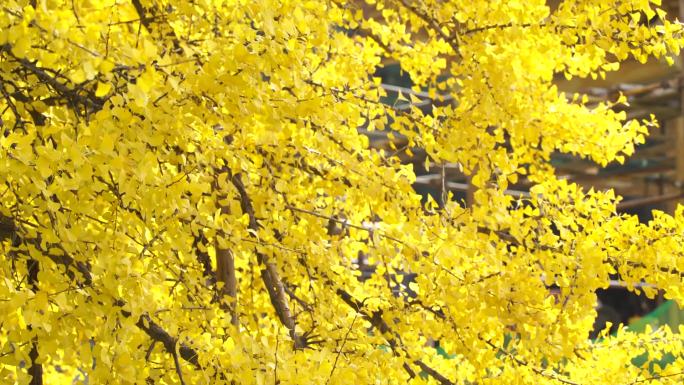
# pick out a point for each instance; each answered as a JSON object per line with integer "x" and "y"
{"x": 185, "y": 196}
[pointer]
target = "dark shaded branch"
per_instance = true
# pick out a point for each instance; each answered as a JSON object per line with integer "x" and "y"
{"x": 90, "y": 102}
{"x": 148, "y": 15}
{"x": 18, "y": 121}
{"x": 433, "y": 373}
{"x": 375, "y": 318}
{"x": 144, "y": 323}
{"x": 179, "y": 372}
{"x": 7, "y": 228}
{"x": 199, "y": 246}
{"x": 36, "y": 369}
{"x": 10, "y": 230}
{"x": 142, "y": 14}
{"x": 158, "y": 334}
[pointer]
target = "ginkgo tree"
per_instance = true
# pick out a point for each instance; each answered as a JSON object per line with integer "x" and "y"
{"x": 186, "y": 194}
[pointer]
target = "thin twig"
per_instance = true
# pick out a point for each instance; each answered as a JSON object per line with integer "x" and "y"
{"x": 543, "y": 373}
{"x": 347, "y": 224}
{"x": 339, "y": 351}
{"x": 656, "y": 377}
{"x": 275, "y": 355}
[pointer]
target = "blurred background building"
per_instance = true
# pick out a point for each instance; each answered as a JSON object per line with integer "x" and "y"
{"x": 651, "y": 179}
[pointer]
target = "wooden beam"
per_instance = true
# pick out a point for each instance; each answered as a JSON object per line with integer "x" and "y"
{"x": 640, "y": 202}
{"x": 677, "y": 130}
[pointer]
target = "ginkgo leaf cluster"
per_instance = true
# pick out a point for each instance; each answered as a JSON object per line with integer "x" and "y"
{"x": 187, "y": 197}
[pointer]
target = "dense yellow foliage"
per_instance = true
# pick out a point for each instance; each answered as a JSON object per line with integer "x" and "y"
{"x": 185, "y": 193}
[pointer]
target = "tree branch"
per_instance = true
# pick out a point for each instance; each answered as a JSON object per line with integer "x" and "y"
{"x": 375, "y": 318}
{"x": 225, "y": 265}
{"x": 544, "y": 373}
{"x": 179, "y": 372}
{"x": 90, "y": 102}
{"x": 346, "y": 224}
{"x": 158, "y": 334}
{"x": 432, "y": 23}
{"x": 142, "y": 14}
{"x": 144, "y": 323}
{"x": 149, "y": 14}
{"x": 199, "y": 243}
{"x": 36, "y": 369}
{"x": 225, "y": 272}
{"x": 269, "y": 274}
